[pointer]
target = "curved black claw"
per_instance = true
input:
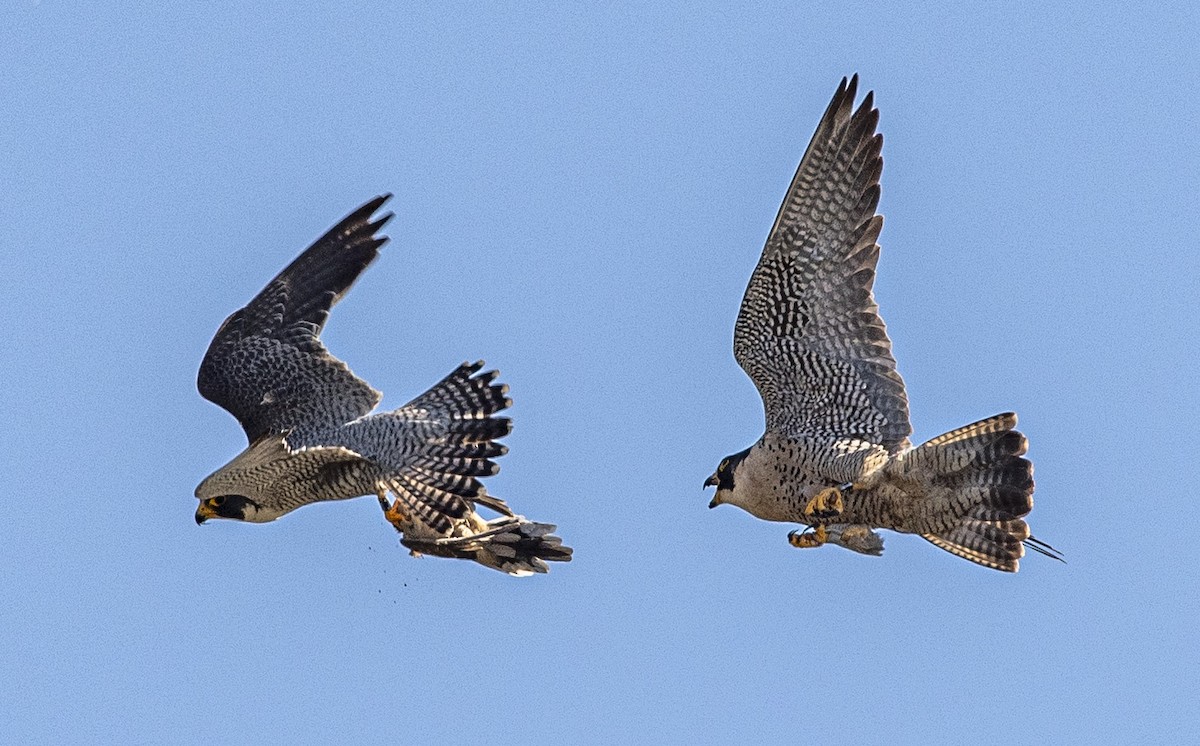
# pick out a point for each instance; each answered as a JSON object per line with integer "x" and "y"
{"x": 805, "y": 540}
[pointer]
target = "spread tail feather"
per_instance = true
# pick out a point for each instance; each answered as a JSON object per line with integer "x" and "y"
{"x": 439, "y": 482}
{"x": 977, "y": 479}
{"x": 985, "y": 543}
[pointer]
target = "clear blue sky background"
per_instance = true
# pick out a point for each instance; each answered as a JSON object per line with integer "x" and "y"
{"x": 581, "y": 195}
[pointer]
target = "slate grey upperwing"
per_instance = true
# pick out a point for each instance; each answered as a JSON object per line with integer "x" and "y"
{"x": 809, "y": 332}
{"x": 267, "y": 366}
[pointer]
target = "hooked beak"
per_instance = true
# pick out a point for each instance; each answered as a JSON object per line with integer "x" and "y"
{"x": 204, "y": 512}
{"x": 712, "y": 482}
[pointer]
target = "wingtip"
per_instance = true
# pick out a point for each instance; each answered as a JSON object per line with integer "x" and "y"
{"x": 848, "y": 91}
{"x": 868, "y": 103}
{"x": 379, "y": 222}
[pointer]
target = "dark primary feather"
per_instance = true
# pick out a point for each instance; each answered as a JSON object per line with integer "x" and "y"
{"x": 267, "y": 366}
{"x": 809, "y": 332}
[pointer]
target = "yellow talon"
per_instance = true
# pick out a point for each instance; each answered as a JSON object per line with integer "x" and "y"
{"x": 807, "y": 540}
{"x": 827, "y": 503}
{"x": 393, "y": 514}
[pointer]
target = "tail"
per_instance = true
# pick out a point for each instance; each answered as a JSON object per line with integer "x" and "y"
{"x": 976, "y": 477}
{"x": 440, "y": 482}
{"x": 510, "y": 544}
{"x": 438, "y": 489}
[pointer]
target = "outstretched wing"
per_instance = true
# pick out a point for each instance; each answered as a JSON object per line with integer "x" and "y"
{"x": 809, "y": 333}
{"x": 267, "y": 366}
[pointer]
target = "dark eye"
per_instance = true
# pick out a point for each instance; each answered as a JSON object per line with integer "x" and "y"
{"x": 724, "y": 465}
{"x": 219, "y": 501}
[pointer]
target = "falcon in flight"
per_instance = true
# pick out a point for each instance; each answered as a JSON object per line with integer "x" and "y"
{"x": 313, "y": 437}
{"x": 835, "y": 455}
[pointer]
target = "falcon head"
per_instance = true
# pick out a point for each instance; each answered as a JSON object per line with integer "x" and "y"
{"x": 724, "y": 478}
{"x": 237, "y": 507}
{"x": 223, "y": 494}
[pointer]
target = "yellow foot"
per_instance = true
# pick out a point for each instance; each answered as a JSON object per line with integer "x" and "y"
{"x": 805, "y": 540}
{"x": 827, "y": 503}
{"x": 393, "y": 514}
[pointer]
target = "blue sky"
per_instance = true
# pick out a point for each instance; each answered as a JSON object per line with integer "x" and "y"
{"x": 581, "y": 195}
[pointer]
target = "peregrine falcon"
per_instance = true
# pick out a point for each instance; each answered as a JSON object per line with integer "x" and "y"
{"x": 313, "y": 437}
{"x": 835, "y": 455}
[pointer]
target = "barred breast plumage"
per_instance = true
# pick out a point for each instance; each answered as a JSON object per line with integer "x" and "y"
{"x": 836, "y": 454}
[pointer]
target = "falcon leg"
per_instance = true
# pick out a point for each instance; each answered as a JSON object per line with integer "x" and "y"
{"x": 392, "y": 512}
{"x": 805, "y": 540}
{"x": 826, "y": 504}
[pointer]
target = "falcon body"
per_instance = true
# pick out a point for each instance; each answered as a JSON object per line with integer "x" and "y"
{"x": 835, "y": 455}
{"x": 313, "y": 437}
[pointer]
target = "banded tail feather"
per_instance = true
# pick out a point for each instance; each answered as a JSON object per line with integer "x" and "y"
{"x": 465, "y": 402}
{"x": 442, "y": 480}
{"x": 485, "y": 449}
{"x": 426, "y": 506}
{"x": 439, "y": 482}
{"x": 463, "y": 396}
{"x": 976, "y": 478}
